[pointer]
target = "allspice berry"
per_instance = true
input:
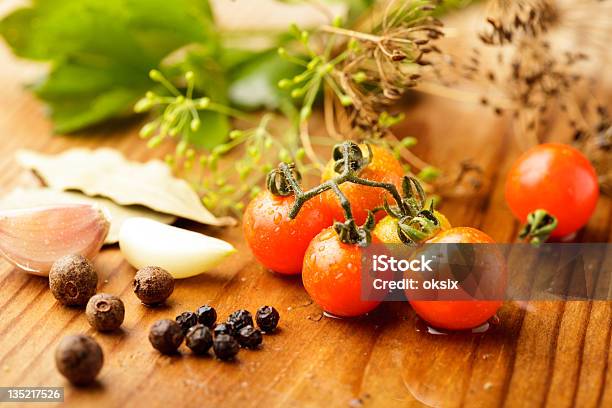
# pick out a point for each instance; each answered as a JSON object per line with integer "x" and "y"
{"x": 166, "y": 336}
{"x": 73, "y": 280}
{"x": 105, "y": 312}
{"x": 79, "y": 358}
{"x": 153, "y": 285}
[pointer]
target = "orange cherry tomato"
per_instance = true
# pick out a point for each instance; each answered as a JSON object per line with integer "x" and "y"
{"x": 458, "y": 314}
{"x": 332, "y": 275}
{"x": 276, "y": 241}
{"x": 383, "y": 167}
{"x": 556, "y": 178}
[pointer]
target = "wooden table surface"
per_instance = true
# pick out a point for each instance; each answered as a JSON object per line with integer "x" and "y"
{"x": 544, "y": 353}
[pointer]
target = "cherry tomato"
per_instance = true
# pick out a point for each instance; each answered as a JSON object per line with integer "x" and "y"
{"x": 459, "y": 314}
{"x": 276, "y": 241}
{"x": 332, "y": 275}
{"x": 556, "y": 178}
{"x": 383, "y": 167}
{"x": 386, "y": 229}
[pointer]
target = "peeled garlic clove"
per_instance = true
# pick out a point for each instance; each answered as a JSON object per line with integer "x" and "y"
{"x": 183, "y": 253}
{"x": 33, "y": 239}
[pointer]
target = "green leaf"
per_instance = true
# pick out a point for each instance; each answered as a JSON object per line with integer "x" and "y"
{"x": 72, "y": 114}
{"x": 254, "y": 82}
{"x": 101, "y": 51}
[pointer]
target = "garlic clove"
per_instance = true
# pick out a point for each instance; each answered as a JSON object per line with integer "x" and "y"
{"x": 183, "y": 253}
{"x": 33, "y": 239}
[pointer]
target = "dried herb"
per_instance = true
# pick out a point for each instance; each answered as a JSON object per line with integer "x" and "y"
{"x": 103, "y": 172}
{"x": 525, "y": 71}
{"x": 359, "y": 72}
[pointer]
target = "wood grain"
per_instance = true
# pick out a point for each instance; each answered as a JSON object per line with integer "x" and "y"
{"x": 542, "y": 354}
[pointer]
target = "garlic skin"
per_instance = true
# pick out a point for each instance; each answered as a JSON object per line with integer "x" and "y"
{"x": 183, "y": 253}
{"x": 33, "y": 239}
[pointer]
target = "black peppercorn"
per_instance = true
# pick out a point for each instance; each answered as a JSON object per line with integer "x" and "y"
{"x": 79, "y": 358}
{"x": 240, "y": 318}
{"x": 225, "y": 347}
{"x": 267, "y": 318}
{"x": 249, "y": 337}
{"x": 73, "y": 280}
{"x": 105, "y": 312}
{"x": 224, "y": 328}
{"x": 207, "y": 315}
{"x": 199, "y": 339}
{"x": 187, "y": 320}
{"x": 153, "y": 285}
{"x": 166, "y": 336}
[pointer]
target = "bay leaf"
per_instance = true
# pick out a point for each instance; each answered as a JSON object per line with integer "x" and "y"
{"x": 21, "y": 198}
{"x": 106, "y": 172}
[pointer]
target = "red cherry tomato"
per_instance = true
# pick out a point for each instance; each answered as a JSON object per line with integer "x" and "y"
{"x": 383, "y": 167}
{"x": 556, "y": 178}
{"x": 332, "y": 275}
{"x": 458, "y": 314}
{"x": 276, "y": 241}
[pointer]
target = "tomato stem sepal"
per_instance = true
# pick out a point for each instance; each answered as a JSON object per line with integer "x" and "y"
{"x": 540, "y": 224}
{"x": 349, "y": 233}
{"x": 417, "y": 229}
{"x": 285, "y": 181}
{"x": 415, "y": 222}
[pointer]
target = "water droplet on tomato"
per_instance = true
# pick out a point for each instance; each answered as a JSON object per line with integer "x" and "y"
{"x": 333, "y": 316}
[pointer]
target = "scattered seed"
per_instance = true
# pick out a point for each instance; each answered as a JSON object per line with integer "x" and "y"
{"x": 249, "y": 337}
{"x": 199, "y": 339}
{"x": 166, "y": 336}
{"x": 79, "y": 358}
{"x": 225, "y": 347}
{"x": 73, "y": 280}
{"x": 187, "y": 320}
{"x": 267, "y": 318}
{"x": 224, "y": 328}
{"x": 240, "y": 318}
{"x": 153, "y": 285}
{"x": 207, "y": 315}
{"x": 105, "y": 312}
